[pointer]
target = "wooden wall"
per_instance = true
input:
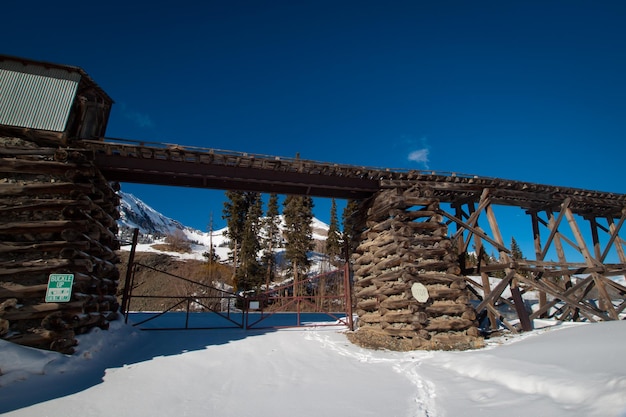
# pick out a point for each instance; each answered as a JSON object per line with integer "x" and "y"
{"x": 58, "y": 216}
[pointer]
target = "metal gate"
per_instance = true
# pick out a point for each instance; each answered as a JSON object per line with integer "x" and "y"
{"x": 324, "y": 299}
{"x": 197, "y": 306}
{"x": 204, "y": 307}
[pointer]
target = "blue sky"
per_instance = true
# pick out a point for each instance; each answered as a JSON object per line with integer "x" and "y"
{"x": 526, "y": 90}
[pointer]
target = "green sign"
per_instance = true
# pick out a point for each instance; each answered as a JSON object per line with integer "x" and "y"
{"x": 59, "y": 288}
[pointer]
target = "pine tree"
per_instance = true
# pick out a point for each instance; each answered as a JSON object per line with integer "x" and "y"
{"x": 242, "y": 211}
{"x": 249, "y": 272}
{"x": 210, "y": 255}
{"x": 298, "y": 213}
{"x": 348, "y": 226}
{"x": 333, "y": 242}
{"x": 271, "y": 238}
{"x": 235, "y": 215}
{"x": 516, "y": 252}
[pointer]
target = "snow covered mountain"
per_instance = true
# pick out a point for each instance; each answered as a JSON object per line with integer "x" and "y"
{"x": 134, "y": 213}
{"x": 154, "y": 227}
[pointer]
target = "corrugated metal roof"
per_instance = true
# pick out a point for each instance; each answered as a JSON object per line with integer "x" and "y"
{"x": 36, "y": 97}
{"x": 60, "y": 70}
{"x": 43, "y": 69}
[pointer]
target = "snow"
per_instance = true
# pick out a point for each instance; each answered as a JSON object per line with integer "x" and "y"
{"x": 560, "y": 369}
{"x": 196, "y": 250}
{"x": 565, "y": 370}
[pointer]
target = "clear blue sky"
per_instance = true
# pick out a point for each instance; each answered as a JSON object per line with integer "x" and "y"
{"x": 526, "y": 90}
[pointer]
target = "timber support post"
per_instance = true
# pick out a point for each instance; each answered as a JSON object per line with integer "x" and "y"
{"x": 409, "y": 294}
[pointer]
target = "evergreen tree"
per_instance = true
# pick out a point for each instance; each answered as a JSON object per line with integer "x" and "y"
{"x": 210, "y": 255}
{"x": 249, "y": 272}
{"x": 298, "y": 213}
{"x": 516, "y": 252}
{"x": 271, "y": 239}
{"x": 333, "y": 242}
{"x": 242, "y": 211}
{"x": 234, "y": 213}
{"x": 349, "y": 226}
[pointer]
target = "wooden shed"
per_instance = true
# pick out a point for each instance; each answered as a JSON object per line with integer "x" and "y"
{"x": 51, "y": 102}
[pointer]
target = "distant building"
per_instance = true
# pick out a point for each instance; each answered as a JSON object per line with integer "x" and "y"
{"x": 52, "y": 102}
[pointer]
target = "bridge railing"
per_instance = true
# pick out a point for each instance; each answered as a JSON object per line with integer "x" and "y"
{"x": 401, "y": 172}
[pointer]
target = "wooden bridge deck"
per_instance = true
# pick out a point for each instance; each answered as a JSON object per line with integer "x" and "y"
{"x": 166, "y": 164}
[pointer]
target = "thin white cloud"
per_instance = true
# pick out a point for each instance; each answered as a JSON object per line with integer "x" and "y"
{"x": 419, "y": 156}
{"x": 142, "y": 120}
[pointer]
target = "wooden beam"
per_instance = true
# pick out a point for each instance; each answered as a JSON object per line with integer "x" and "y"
{"x": 460, "y": 214}
{"x": 591, "y": 261}
{"x": 557, "y": 243}
{"x": 585, "y": 282}
{"x": 594, "y": 237}
{"x": 473, "y": 218}
{"x": 485, "y": 281}
{"x": 520, "y": 309}
{"x": 476, "y": 231}
{"x": 495, "y": 230}
{"x": 558, "y": 293}
{"x": 615, "y": 235}
{"x": 491, "y": 295}
{"x": 504, "y": 321}
{"x": 543, "y": 299}
{"x": 554, "y": 227}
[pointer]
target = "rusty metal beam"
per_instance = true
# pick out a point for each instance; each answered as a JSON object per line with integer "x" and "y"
{"x": 179, "y": 173}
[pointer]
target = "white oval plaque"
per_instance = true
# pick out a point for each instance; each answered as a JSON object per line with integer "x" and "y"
{"x": 420, "y": 292}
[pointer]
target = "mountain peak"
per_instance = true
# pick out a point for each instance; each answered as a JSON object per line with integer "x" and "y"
{"x": 135, "y": 214}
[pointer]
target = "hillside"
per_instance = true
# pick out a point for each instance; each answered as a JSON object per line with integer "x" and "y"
{"x": 159, "y": 274}
{"x": 168, "y": 251}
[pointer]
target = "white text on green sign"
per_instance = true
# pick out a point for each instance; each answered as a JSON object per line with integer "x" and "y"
{"x": 59, "y": 288}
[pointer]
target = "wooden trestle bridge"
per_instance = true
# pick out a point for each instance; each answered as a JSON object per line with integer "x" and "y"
{"x": 401, "y": 213}
{"x": 430, "y": 265}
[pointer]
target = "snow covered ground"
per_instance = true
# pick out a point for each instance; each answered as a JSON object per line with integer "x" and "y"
{"x": 565, "y": 370}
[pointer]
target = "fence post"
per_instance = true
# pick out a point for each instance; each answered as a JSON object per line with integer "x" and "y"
{"x": 129, "y": 274}
{"x": 348, "y": 294}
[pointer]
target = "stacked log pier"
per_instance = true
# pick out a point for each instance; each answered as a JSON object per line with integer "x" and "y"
{"x": 58, "y": 217}
{"x": 406, "y": 284}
